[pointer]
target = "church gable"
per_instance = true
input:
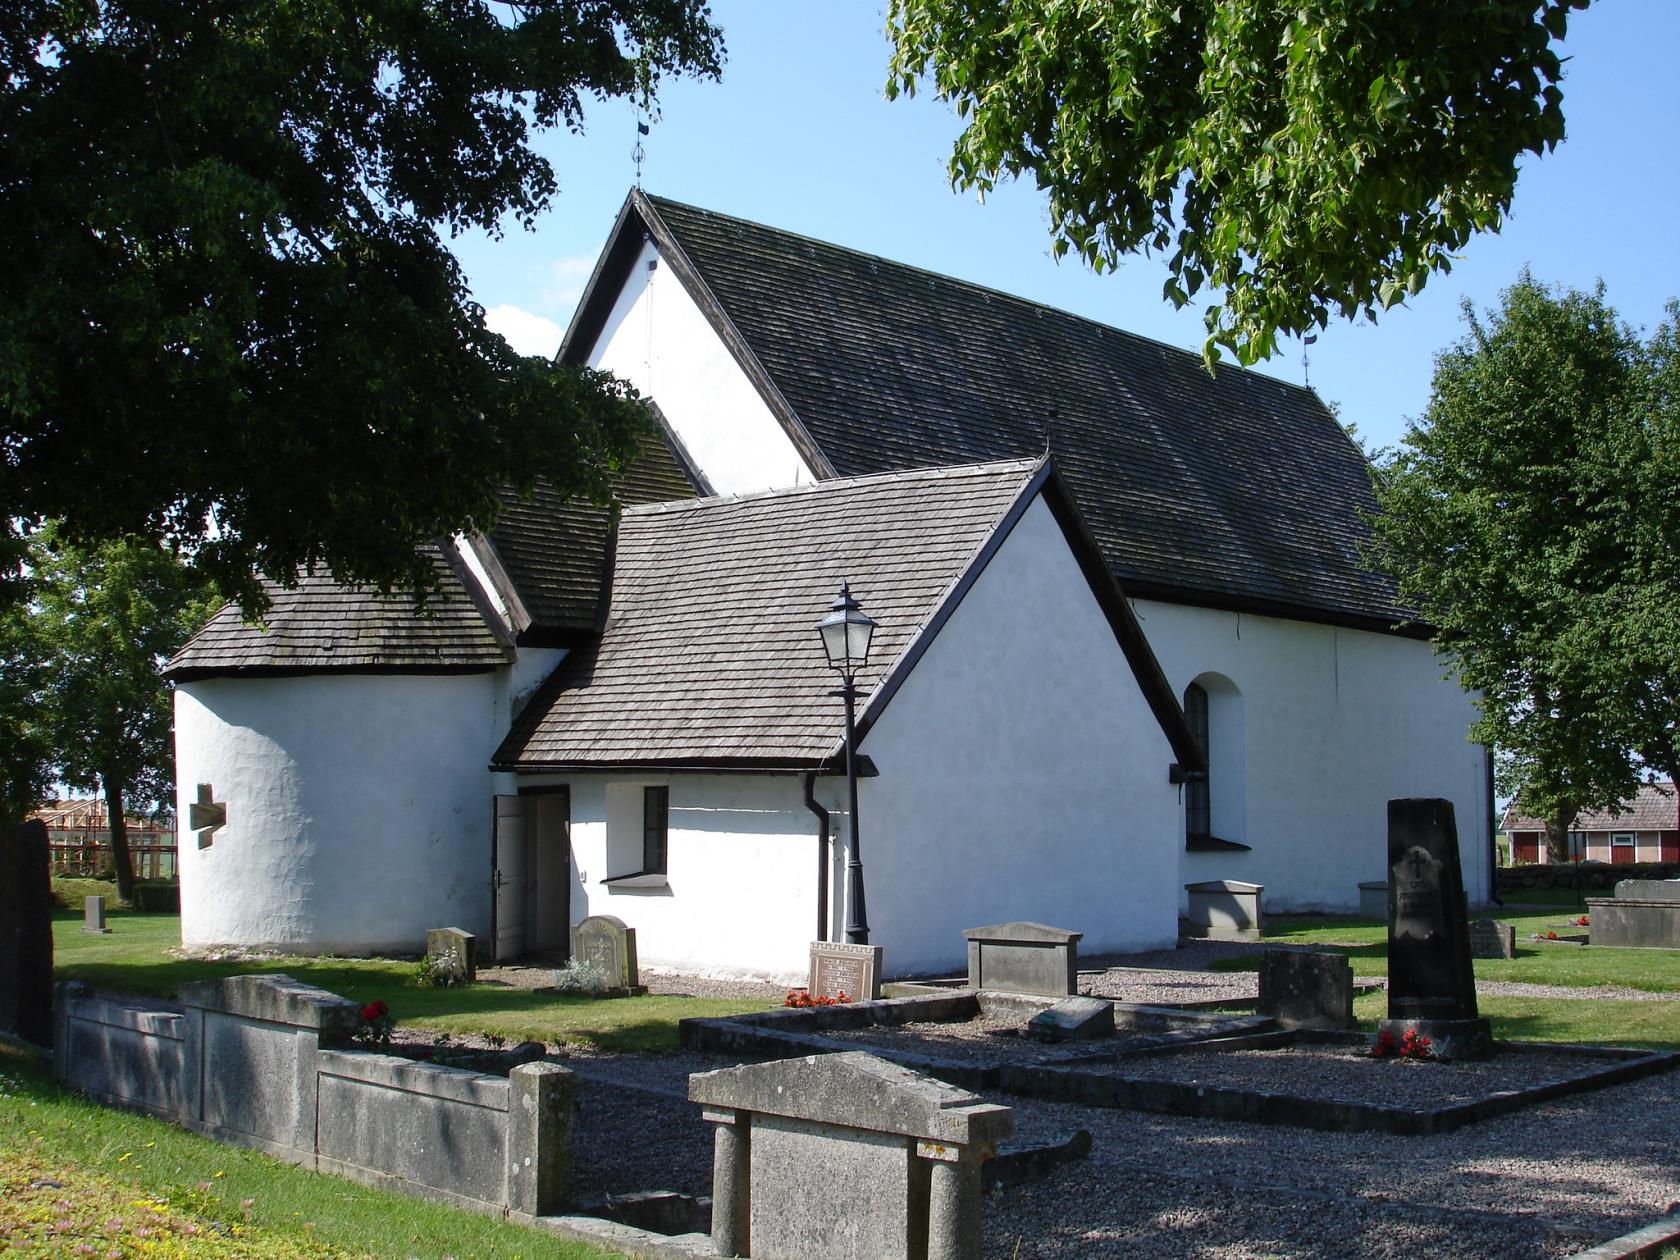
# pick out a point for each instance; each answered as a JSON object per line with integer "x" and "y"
{"x": 1234, "y": 491}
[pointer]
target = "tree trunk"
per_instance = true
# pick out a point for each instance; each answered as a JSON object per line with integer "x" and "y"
{"x": 121, "y": 863}
{"x": 1557, "y": 833}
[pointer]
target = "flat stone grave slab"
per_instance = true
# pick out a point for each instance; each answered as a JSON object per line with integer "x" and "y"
{"x": 1072, "y": 1019}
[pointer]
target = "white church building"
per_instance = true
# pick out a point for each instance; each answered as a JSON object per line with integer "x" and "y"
{"x": 1127, "y": 640}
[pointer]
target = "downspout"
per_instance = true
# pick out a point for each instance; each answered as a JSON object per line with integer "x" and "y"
{"x": 810, "y": 778}
{"x": 1493, "y": 843}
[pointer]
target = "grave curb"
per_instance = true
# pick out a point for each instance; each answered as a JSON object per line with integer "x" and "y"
{"x": 1076, "y": 1084}
{"x": 1646, "y": 1243}
{"x": 801, "y": 1028}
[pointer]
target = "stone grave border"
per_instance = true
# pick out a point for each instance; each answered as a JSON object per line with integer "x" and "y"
{"x": 795, "y": 1031}
{"x": 1072, "y": 1084}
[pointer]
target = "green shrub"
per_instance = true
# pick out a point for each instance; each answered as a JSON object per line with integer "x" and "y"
{"x": 69, "y": 891}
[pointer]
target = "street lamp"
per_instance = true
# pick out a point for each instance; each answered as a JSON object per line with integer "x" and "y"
{"x": 846, "y": 632}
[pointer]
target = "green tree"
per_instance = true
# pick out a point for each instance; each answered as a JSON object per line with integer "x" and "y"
{"x": 1303, "y": 157}
{"x": 1530, "y": 518}
{"x": 229, "y": 318}
{"x": 100, "y": 624}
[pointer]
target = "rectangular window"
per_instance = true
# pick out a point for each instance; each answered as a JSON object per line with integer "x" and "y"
{"x": 1622, "y": 840}
{"x": 656, "y": 825}
{"x": 1198, "y": 797}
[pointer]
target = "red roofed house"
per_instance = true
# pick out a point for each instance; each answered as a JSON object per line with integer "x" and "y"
{"x": 1645, "y": 829}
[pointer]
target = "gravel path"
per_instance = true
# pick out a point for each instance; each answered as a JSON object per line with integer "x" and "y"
{"x": 1163, "y": 987}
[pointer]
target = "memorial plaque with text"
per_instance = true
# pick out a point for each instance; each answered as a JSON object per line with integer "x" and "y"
{"x": 1429, "y": 975}
{"x": 604, "y": 940}
{"x": 837, "y": 968}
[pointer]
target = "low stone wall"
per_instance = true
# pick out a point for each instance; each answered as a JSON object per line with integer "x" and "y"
{"x": 262, "y": 1061}
{"x": 1511, "y": 880}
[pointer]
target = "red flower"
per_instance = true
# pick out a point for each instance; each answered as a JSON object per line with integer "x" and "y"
{"x": 375, "y": 1011}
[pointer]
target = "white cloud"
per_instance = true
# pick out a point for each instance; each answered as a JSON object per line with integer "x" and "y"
{"x": 525, "y": 332}
{"x": 566, "y": 278}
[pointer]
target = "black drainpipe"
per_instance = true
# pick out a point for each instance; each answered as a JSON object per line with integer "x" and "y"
{"x": 810, "y": 778}
{"x": 1493, "y": 842}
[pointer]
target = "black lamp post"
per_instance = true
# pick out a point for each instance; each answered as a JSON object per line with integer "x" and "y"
{"x": 845, "y": 637}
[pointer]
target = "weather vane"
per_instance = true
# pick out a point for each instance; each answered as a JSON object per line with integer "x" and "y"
{"x": 1310, "y": 339}
{"x": 638, "y": 153}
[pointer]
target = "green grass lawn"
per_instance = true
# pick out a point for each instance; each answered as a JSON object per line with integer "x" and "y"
{"x": 1600, "y": 1021}
{"x": 134, "y": 959}
{"x": 128, "y": 1185}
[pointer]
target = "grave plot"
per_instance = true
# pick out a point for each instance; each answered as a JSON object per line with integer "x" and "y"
{"x": 1330, "y": 1081}
{"x": 968, "y": 1038}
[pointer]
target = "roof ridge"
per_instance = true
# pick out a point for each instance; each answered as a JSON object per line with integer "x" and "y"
{"x": 977, "y": 287}
{"x": 933, "y": 472}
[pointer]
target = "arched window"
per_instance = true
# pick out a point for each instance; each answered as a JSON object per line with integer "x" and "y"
{"x": 1214, "y": 799}
{"x": 1198, "y": 798}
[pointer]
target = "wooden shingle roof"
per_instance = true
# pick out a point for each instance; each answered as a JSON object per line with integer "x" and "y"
{"x": 551, "y": 549}
{"x": 1234, "y": 491}
{"x": 710, "y": 654}
{"x": 321, "y": 625}
{"x": 1654, "y": 807}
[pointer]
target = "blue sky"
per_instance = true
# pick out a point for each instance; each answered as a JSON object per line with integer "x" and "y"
{"x": 799, "y": 134}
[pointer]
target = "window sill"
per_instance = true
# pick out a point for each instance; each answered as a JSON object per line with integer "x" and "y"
{"x": 1213, "y": 844}
{"x": 637, "y": 879}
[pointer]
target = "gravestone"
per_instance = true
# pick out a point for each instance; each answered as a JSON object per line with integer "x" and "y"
{"x": 1644, "y": 914}
{"x": 1491, "y": 938}
{"x": 93, "y": 915}
{"x": 1306, "y": 988}
{"x": 451, "y": 949}
{"x": 1024, "y": 958}
{"x": 845, "y": 1157}
{"x": 603, "y": 940}
{"x": 26, "y": 933}
{"x": 1431, "y": 987}
{"x": 1648, "y": 890}
{"x": 837, "y": 968}
{"x": 1073, "y": 1019}
{"x": 1223, "y": 910}
{"x": 1373, "y": 899}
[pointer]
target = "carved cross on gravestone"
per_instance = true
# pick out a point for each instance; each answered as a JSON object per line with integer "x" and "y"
{"x": 206, "y": 815}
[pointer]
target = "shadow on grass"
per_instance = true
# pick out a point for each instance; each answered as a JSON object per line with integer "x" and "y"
{"x": 135, "y": 959}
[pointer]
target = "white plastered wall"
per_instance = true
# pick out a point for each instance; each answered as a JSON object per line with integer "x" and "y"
{"x": 1022, "y": 774}
{"x": 358, "y": 809}
{"x": 1334, "y": 722}
{"x": 739, "y": 896}
{"x": 658, "y": 339}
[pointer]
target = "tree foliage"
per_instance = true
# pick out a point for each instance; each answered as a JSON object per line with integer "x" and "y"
{"x": 100, "y": 623}
{"x": 228, "y": 316}
{"x": 1306, "y": 158}
{"x": 1531, "y": 517}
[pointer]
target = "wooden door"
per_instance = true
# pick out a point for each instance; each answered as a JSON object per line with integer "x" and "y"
{"x": 510, "y": 877}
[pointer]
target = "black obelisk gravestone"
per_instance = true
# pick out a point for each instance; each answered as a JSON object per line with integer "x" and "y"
{"x": 26, "y": 934}
{"x": 1431, "y": 987}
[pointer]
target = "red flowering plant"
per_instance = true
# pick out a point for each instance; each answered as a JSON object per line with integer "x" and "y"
{"x": 375, "y": 1029}
{"x": 803, "y": 998}
{"x": 1411, "y": 1045}
{"x": 1583, "y": 921}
